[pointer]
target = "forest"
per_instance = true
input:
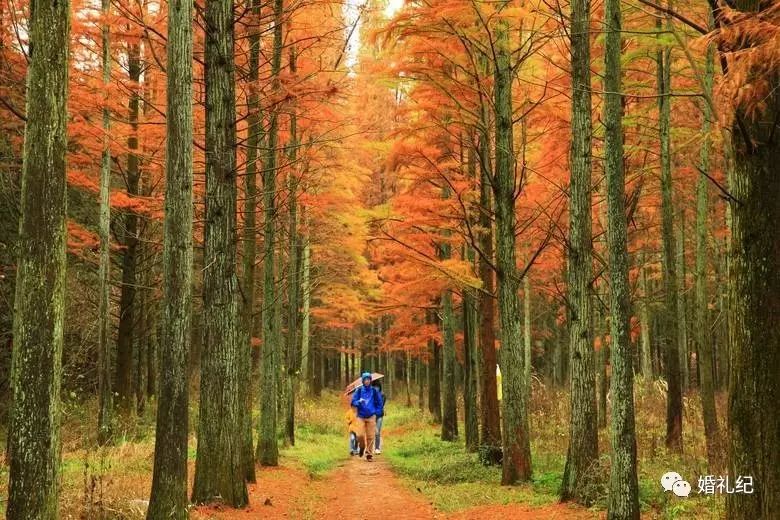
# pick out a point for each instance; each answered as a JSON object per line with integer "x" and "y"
{"x": 549, "y": 227}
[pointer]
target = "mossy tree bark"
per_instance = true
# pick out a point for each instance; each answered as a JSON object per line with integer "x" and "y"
{"x": 126, "y": 354}
{"x": 623, "y": 497}
{"x": 254, "y": 139}
{"x": 267, "y": 452}
{"x": 39, "y": 304}
{"x": 169, "y": 481}
{"x": 292, "y": 362}
{"x": 583, "y": 439}
{"x": 490, "y": 421}
{"x": 702, "y": 333}
{"x": 670, "y": 338}
{"x": 220, "y": 472}
{"x": 449, "y": 420}
{"x": 754, "y": 376}
{"x": 105, "y": 392}
{"x": 516, "y": 462}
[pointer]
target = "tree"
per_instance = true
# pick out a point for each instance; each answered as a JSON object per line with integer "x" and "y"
{"x": 267, "y": 448}
{"x": 39, "y": 304}
{"x": 702, "y": 335}
{"x": 583, "y": 439}
{"x": 670, "y": 324}
{"x": 169, "y": 482}
{"x": 623, "y": 497}
{"x": 105, "y": 392}
{"x": 220, "y": 469}
{"x": 747, "y": 42}
{"x": 126, "y": 352}
{"x": 254, "y": 138}
{"x": 516, "y": 463}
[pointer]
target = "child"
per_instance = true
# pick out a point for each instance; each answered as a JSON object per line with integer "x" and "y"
{"x": 352, "y": 429}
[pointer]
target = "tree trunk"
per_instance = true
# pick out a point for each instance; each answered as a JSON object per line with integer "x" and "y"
{"x": 293, "y": 287}
{"x": 702, "y": 330}
{"x": 169, "y": 482}
{"x": 434, "y": 395}
{"x": 646, "y": 362}
{"x": 220, "y": 469}
{"x": 490, "y": 417}
{"x": 470, "y": 321}
{"x": 254, "y": 138}
{"x": 105, "y": 392}
{"x": 449, "y": 423}
{"x": 623, "y": 496}
{"x": 754, "y": 368}
{"x": 670, "y": 336}
{"x": 682, "y": 319}
{"x": 583, "y": 438}
{"x": 307, "y": 357}
{"x": 527, "y": 347}
{"x": 125, "y": 369}
{"x": 39, "y": 304}
{"x": 602, "y": 382}
{"x": 516, "y": 461}
{"x": 267, "y": 449}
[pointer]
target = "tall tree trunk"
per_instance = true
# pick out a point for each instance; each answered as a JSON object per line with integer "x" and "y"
{"x": 408, "y": 378}
{"x": 470, "y": 321}
{"x": 670, "y": 328}
{"x": 307, "y": 355}
{"x": 516, "y": 461}
{"x": 420, "y": 384}
{"x": 490, "y": 417}
{"x": 682, "y": 319}
{"x": 220, "y": 469}
{"x": 646, "y": 360}
{"x": 254, "y": 137}
{"x": 267, "y": 449}
{"x": 703, "y": 335}
{"x": 105, "y": 392}
{"x": 754, "y": 368}
{"x": 434, "y": 394}
{"x": 39, "y": 304}
{"x": 623, "y": 496}
{"x": 449, "y": 423}
{"x": 169, "y": 482}
{"x": 583, "y": 438}
{"x": 293, "y": 287}
{"x": 125, "y": 370}
{"x": 527, "y": 347}
{"x": 602, "y": 381}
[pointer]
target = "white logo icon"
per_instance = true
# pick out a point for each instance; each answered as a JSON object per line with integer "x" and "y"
{"x": 681, "y": 488}
{"x": 673, "y": 481}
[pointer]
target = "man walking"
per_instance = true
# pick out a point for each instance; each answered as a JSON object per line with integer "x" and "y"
{"x": 366, "y": 402}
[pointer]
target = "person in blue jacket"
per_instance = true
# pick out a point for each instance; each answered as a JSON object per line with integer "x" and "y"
{"x": 380, "y": 415}
{"x": 366, "y": 401}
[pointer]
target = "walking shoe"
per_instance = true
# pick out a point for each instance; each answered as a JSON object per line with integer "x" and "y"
{"x": 369, "y": 458}
{"x": 377, "y": 452}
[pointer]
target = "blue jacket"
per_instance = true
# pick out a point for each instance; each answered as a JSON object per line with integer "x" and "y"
{"x": 367, "y": 401}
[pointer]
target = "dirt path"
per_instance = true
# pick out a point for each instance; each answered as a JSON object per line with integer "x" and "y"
{"x": 359, "y": 490}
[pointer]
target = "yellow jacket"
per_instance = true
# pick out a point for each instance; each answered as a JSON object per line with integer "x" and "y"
{"x": 351, "y": 421}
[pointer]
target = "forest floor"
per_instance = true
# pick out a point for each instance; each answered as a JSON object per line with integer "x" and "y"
{"x": 417, "y": 476}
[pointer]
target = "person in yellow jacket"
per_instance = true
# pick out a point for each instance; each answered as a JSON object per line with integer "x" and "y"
{"x": 353, "y": 430}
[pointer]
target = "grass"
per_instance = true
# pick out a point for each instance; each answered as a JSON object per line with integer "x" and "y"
{"x": 320, "y": 437}
{"x": 453, "y": 479}
{"x": 111, "y": 481}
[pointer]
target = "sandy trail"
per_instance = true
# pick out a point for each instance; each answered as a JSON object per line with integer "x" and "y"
{"x": 361, "y": 490}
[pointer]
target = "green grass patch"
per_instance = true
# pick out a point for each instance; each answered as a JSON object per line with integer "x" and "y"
{"x": 453, "y": 479}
